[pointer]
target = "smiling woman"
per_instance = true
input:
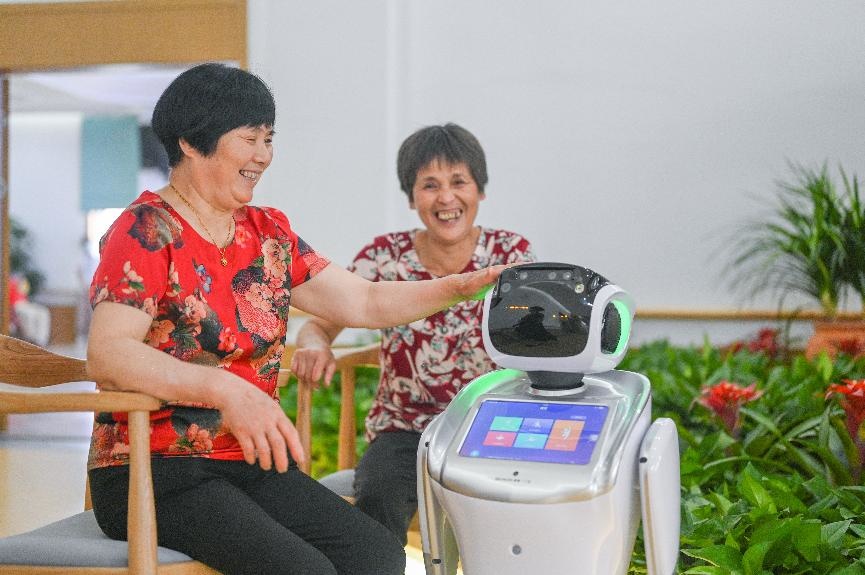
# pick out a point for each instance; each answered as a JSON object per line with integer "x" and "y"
{"x": 443, "y": 172}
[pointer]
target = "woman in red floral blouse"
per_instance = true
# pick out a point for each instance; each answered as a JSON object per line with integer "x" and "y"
{"x": 442, "y": 170}
{"x": 191, "y": 299}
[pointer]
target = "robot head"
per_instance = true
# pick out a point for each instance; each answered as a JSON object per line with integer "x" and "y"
{"x": 558, "y": 318}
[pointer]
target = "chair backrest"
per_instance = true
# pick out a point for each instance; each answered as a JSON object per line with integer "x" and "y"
{"x": 29, "y": 365}
{"x": 347, "y": 360}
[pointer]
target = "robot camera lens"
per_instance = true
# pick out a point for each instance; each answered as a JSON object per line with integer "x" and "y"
{"x": 580, "y": 288}
{"x": 551, "y": 275}
{"x": 566, "y": 276}
{"x": 524, "y": 275}
{"x": 506, "y": 287}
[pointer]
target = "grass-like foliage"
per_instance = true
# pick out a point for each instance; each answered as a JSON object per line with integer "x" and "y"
{"x": 810, "y": 243}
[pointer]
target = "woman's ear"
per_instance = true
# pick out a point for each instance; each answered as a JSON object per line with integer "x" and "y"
{"x": 187, "y": 148}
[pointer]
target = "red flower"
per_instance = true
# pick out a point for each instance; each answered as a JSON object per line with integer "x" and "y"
{"x": 853, "y": 401}
{"x": 766, "y": 341}
{"x": 725, "y": 398}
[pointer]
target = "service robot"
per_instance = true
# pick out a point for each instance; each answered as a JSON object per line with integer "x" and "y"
{"x": 543, "y": 467}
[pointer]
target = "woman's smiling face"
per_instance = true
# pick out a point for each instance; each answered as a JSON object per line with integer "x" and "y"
{"x": 240, "y": 159}
{"x": 446, "y": 199}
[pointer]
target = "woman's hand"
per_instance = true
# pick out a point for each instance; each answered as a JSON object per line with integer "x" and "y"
{"x": 258, "y": 423}
{"x": 310, "y": 365}
{"x": 471, "y": 284}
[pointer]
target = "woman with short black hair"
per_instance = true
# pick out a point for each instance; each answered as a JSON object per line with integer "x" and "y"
{"x": 191, "y": 300}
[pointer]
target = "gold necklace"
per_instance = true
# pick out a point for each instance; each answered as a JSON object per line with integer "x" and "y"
{"x": 223, "y": 260}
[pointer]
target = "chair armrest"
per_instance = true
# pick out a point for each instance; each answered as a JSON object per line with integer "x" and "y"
{"x": 141, "y": 524}
{"x": 15, "y": 399}
{"x": 347, "y": 359}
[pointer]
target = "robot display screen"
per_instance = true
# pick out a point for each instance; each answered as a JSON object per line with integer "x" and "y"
{"x": 545, "y": 432}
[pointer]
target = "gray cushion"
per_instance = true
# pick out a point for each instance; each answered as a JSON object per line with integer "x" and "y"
{"x": 73, "y": 542}
{"x": 341, "y": 482}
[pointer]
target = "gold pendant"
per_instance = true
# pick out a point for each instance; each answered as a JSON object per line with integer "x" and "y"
{"x": 223, "y": 261}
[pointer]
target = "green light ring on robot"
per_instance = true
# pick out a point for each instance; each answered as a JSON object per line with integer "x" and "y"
{"x": 469, "y": 394}
{"x": 625, "y": 331}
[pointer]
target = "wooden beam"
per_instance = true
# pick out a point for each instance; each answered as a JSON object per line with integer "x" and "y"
{"x": 75, "y": 34}
{"x": 739, "y": 315}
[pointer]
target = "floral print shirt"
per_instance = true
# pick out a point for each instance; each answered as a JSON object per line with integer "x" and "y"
{"x": 425, "y": 363}
{"x": 231, "y": 317}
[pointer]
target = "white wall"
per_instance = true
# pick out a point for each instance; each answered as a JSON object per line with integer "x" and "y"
{"x": 44, "y": 192}
{"x": 630, "y": 137}
{"x": 326, "y": 63}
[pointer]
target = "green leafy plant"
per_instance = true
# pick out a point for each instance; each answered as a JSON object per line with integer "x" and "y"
{"x": 21, "y": 256}
{"x": 811, "y": 243}
{"x": 782, "y": 496}
{"x": 853, "y": 225}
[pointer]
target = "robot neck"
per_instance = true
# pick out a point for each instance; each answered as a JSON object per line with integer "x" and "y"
{"x": 556, "y": 382}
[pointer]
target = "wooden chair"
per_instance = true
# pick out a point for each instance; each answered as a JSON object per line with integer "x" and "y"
{"x": 347, "y": 360}
{"x": 76, "y": 544}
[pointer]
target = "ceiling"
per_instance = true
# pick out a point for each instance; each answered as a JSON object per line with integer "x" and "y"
{"x": 110, "y": 89}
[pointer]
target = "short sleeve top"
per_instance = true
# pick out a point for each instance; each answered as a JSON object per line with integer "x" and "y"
{"x": 425, "y": 363}
{"x": 229, "y": 317}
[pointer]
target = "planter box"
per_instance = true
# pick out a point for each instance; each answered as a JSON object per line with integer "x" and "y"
{"x": 835, "y": 336}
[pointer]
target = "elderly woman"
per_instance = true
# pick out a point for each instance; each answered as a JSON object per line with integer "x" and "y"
{"x": 442, "y": 170}
{"x": 190, "y": 300}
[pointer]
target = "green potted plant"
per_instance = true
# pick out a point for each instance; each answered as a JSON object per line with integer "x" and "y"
{"x": 812, "y": 244}
{"x": 21, "y": 257}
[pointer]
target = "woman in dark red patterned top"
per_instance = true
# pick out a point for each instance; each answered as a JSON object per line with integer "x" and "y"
{"x": 443, "y": 172}
{"x": 190, "y": 300}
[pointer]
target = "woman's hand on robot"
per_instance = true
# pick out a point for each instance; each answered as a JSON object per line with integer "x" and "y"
{"x": 475, "y": 284}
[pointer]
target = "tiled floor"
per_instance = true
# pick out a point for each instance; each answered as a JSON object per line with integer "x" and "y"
{"x": 42, "y": 471}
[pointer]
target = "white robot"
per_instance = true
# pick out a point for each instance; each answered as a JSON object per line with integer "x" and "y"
{"x": 543, "y": 467}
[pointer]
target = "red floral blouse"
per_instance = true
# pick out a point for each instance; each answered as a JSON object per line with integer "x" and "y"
{"x": 230, "y": 317}
{"x": 425, "y": 363}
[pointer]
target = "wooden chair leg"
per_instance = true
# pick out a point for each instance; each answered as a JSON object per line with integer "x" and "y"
{"x": 142, "y": 507}
{"x": 346, "y": 453}
{"x": 303, "y": 422}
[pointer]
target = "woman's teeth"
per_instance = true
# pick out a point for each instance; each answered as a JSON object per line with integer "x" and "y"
{"x": 449, "y": 214}
{"x": 249, "y": 175}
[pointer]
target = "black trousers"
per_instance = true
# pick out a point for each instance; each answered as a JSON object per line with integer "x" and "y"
{"x": 240, "y": 519}
{"x": 385, "y": 481}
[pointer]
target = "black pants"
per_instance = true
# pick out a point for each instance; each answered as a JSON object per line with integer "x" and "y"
{"x": 239, "y": 519}
{"x": 385, "y": 481}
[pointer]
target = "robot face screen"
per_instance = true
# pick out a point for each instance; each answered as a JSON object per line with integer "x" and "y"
{"x": 544, "y": 432}
{"x": 543, "y": 311}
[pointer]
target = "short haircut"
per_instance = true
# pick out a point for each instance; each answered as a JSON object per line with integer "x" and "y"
{"x": 450, "y": 143}
{"x": 207, "y": 101}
